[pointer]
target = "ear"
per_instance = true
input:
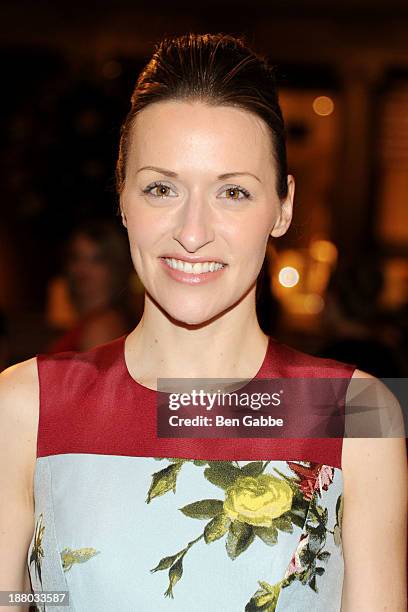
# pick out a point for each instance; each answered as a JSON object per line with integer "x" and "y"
{"x": 122, "y": 214}
{"x": 284, "y": 219}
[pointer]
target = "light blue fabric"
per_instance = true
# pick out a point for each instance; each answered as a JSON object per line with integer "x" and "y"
{"x": 96, "y": 504}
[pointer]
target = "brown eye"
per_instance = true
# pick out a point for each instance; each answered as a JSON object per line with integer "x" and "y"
{"x": 234, "y": 191}
{"x": 158, "y": 190}
{"x": 161, "y": 190}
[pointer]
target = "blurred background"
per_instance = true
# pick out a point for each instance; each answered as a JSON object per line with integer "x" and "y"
{"x": 335, "y": 285}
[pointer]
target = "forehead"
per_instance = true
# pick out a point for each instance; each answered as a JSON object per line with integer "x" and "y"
{"x": 192, "y": 133}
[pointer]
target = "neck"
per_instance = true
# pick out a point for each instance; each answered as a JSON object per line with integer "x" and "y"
{"x": 232, "y": 346}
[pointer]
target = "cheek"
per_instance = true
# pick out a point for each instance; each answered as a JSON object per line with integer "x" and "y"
{"x": 138, "y": 230}
{"x": 248, "y": 240}
{"x": 145, "y": 227}
{"x": 101, "y": 274}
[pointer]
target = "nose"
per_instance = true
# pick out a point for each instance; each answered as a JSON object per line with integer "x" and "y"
{"x": 195, "y": 226}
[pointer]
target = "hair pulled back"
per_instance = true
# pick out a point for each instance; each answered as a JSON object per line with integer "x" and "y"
{"x": 219, "y": 70}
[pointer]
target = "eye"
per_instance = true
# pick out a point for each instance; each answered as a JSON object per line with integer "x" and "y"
{"x": 162, "y": 190}
{"x": 233, "y": 192}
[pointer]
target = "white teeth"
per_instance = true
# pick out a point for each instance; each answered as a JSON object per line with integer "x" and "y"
{"x": 197, "y": 268}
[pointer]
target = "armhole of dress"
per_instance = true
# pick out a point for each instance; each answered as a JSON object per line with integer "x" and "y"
{"x": 39, "y": 358}
{"x": 351, "y": 368}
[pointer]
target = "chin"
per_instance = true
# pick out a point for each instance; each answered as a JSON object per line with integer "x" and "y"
{"x": 194, "y": 310}
{"x": 186, "y": 317}
{"x": 194, "y": 315}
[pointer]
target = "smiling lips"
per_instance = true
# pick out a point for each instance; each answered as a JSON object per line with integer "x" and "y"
{"x": 193, "y": 272}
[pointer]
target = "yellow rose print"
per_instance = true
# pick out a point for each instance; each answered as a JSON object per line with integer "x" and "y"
{"x": 258, "y": 500}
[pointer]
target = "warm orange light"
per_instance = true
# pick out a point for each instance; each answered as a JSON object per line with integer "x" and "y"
{"x": 324, "y": 251}
{"x": 288, "y": 276}
{"x": 323, "y": 106}
{"x": 313, "y": 303}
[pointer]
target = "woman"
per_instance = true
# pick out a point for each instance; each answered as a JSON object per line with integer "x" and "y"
{"x": 97, "y": 266}
{"x": 128, "y": 518}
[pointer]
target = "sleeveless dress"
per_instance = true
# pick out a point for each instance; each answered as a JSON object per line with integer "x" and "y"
{"x": 129, "y": 521}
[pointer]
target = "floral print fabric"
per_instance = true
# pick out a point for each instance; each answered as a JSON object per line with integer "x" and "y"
{"x": 157, "y": 534}
{"x": 260, "y": 505}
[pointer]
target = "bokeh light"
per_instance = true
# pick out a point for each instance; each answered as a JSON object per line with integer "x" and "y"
{"x": 288, "y": 276}
{"x": 323, "y": 106}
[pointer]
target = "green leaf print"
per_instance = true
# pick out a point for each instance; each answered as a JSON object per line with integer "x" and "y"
{"x": 175, "y": 573}
{"x": 298, "y": 513}
{"x": 216, "y": 528}
{"x": 253, "y": 469}
{"x": 323, "y": 556}
{"x": 176, "y": 568}
{"x": 300, "y": 505}
{"x": 80, "y": 555}
{"x": 269, "y": 535}
{"x": 316, "y": 526}
{"x": 265, "y": 598}
{"x": 316, "y": 537}
{"x": 165, "y": 563}
{"x": 337, "y": 535}
{"x": 37, "y": 552}
{"x": 164, "y": 481}
{"x": 203, "y": 509}
{"x": 222, "y": 473}
{"x": 322, "y": 513}
{"x": 339, "y": 518}
{"x": 313, "y": 585}
{"x": 289, "y": 479}
{"x": 240, "y": 536}
{"x": 284, "y": 522}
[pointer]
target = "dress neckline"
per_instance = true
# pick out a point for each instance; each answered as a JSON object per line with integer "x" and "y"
{"x": 261, "y": 373}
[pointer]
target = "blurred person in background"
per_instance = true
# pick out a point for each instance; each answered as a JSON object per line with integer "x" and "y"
{"x": 98, "y": 270}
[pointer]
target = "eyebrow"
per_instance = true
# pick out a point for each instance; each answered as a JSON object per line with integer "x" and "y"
{"x": 175, "y": 175}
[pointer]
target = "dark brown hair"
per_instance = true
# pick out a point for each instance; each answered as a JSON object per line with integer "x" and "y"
{"x": 218, "y": 69}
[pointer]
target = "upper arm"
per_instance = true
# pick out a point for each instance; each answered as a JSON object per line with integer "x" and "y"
{"x": 19, "y": 410}
{"x": 374, "y": 526}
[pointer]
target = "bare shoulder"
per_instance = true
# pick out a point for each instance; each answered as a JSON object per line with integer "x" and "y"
{"x": 374, "y": 422}
{"x": 19, "y": 387}
{"x": 19, "y": 413}
{"x": 372, "y": 409}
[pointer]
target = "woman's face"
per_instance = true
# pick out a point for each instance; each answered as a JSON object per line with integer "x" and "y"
{"x": 87, "y": 271}
{"x": 177, "y": 205}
